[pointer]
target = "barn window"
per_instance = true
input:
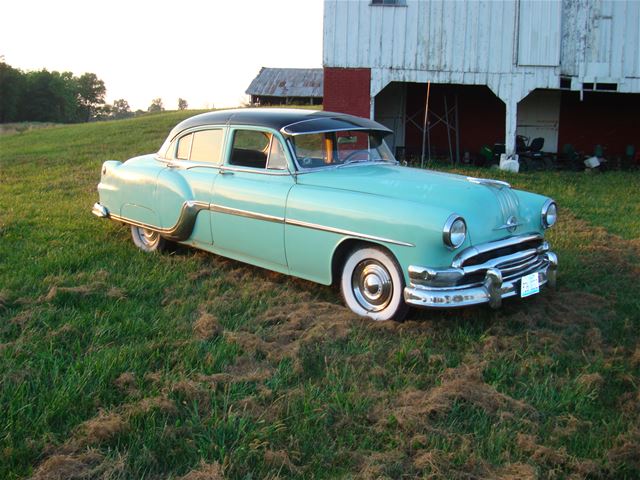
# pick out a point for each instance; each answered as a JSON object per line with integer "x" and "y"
{"x": 389, "y": 3}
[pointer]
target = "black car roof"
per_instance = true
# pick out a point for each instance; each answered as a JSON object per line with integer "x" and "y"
{"x": 287, "y": 120}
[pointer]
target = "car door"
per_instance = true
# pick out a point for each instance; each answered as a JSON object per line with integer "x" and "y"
{"x": 249, "y": 200}
{"x": 185, "y": 186}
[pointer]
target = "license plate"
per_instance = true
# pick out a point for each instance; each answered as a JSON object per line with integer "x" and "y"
{"x": 529, "y": 285}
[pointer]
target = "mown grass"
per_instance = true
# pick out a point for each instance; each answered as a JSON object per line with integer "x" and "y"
{"x": 116, "y": 364}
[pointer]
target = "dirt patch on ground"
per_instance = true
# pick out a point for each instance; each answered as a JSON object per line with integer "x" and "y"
{"x": 80, "y": 466}
{"x": 205, "y": 471}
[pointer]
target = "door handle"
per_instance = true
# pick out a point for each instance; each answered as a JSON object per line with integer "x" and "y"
{"x": 225, "y": 172}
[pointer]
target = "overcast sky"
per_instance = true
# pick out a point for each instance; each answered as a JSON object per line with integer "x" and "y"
{"x": 206, "y": 52}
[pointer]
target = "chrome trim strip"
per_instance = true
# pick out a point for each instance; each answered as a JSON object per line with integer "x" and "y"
{"x": 489, "y": 182}
{"x": 245, "y": 213}
{"x": 183, "y": 227}
{"x": 470, "y": 252}
{"x": 340, "y": 231}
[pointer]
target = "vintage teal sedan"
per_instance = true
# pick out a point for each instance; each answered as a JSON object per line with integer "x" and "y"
{"x": 319, "y": 195}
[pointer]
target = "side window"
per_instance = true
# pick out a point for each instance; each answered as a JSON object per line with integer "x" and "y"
{"x": 277, "y": 158}
{"x": 206, "y": 146}
{"x": 250, "y": 148}
{"x": 184, "y": 147}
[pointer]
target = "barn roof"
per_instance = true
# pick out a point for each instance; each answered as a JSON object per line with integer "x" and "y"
{"x": 287, "y": 82}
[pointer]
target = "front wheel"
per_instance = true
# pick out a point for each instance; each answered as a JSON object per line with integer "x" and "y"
{"x": 147, "y": 240}
{"x": 372, "y": 285}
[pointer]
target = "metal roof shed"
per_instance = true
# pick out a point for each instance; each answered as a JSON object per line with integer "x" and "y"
{"x": 287, "y": 86}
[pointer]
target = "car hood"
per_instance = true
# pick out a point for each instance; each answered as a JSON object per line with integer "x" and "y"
{"x": 485, "y": 205}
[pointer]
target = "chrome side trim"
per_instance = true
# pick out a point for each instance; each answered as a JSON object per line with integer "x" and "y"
{"x": 187, "y": 219}
{"x": 470, "y": 252}
{"x": 340, "y": 231}
{"x": 245, "y": 213}
{"x": 183, "y": 227}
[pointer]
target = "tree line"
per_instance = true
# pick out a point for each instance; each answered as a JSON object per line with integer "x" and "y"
{"x": 44, "y": 96}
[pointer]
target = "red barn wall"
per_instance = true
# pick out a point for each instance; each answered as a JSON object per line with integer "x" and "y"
{"x": 481, "y": 117}
{"x": 608, "y": 119}
{"x": 347, "y": 90}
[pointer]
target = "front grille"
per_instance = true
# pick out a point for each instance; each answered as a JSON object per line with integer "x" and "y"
{"x": 514, "y": 257}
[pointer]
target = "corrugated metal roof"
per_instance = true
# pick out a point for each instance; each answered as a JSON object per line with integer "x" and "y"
{"x": 287, "y": 82}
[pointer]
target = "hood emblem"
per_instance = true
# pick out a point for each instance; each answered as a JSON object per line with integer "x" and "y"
{"x": 510, "y": 225}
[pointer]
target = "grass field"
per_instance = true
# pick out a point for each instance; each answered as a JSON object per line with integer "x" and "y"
{"x": 117, "y": 364}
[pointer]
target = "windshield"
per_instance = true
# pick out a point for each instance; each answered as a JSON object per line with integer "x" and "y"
{"x": 326, "y": 149}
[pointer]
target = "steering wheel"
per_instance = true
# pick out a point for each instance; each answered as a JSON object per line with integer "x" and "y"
{"x": 356, "y": 152}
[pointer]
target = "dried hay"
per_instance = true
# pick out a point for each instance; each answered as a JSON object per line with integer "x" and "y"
{"x": 126, "y": 383}
{"x": 279, "y": 459}
{"x": 101, "y": 428}
{"x": 464, "y": 383}
{"x": 81, "y": 466}
{"x": 539, "y": 453}
{"x": 627, "y": 452}
{"x": 590, "y": 381}
{"x": 516, "y": 471}
{"x": 206, "y": 327}
{"x": 375, "y": 464}
{"x": 205, "y": 471}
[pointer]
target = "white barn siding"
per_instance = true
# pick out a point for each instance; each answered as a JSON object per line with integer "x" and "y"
{"x": 531, "y": 42}
{"x": 512, "y": 46}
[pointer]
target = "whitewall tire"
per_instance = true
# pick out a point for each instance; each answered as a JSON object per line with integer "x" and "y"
{"x": 372, "y": 284}
{"x": 147, "y": 240}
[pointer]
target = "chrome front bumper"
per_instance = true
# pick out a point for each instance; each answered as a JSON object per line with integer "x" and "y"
{"x": 100, "y": 211}
{"x": 492, "y": 289}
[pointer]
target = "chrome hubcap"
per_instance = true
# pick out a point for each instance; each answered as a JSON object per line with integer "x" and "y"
{"x": 148, "y": 237}
{"x": 371, "y": 285}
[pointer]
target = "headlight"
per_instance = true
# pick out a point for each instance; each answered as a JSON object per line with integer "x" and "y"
{"x": 549, "y": 214}
{"x": 454, "y": 231}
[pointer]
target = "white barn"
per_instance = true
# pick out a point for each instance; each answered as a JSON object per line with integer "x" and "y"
{"x": 564, "y": 70}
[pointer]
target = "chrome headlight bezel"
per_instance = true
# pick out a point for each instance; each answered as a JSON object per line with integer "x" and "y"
{"x": 549, "y": 214}
{"x": 451, "y": 235}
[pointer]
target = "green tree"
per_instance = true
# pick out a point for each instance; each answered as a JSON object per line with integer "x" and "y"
{"x": 90, "y": 95}
{"x": 121, "y": 109}
{"x": 49, "y": 97}
{"x": 156, "y": 106}
{"x": 182, "y": 104}
{"x": 12, "y": 86}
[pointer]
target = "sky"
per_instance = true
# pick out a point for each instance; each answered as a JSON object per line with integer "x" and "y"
{"x": 206, "y": 52}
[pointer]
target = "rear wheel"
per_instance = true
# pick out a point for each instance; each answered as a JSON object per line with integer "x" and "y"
{"x": 147, "y": 240}
{"x": 372, "y": 285}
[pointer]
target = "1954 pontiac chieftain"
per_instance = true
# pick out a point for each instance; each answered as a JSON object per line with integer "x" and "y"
{"x": 319, "y": 195}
